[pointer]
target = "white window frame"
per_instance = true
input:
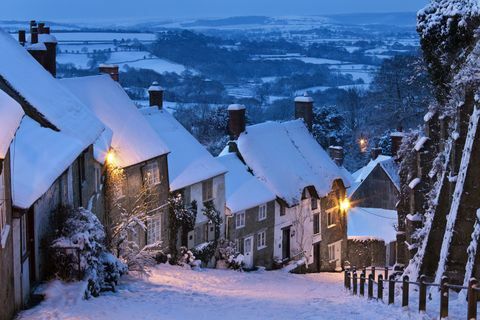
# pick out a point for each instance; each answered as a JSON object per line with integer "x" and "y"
{"x": 319, "y": 223}
{"x": 151, "y": 174}
{"x": 240, "y": 220}
{"x": 312, "y": 201}
{"x": 262, "y": 212}
{"x": 330, "y": 218}
{"x": 207, "y": 195}
{"x": 262, "y": 240}
{"x": 154, "y": 229}
{"x": 332, "y": 256}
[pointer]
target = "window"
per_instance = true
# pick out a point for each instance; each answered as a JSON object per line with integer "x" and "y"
{"x": 331, "y": 252}
{"x": 262, "y": 212}
{"x": 205, "y": 232}
{"x": 240, "y": 220}
{"x": 98, "y": 179}
{"x": 314, "y": 203}
{"x": 316, "y": 223}
{"x": 207, "y": 190}
{"x": 154, "y": 231}
{"x": 330, "y": 219}
{"x": 282, "y": 210}
{"x": 151, "y": 174}
{"x": 261, "y": 240}
{"x": 334, "y": 251}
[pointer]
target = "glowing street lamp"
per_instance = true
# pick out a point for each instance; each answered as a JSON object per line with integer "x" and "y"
{"x": 111, "y": 158}
{"x": 345, "y": 205}
{"x": 363, "y": 143}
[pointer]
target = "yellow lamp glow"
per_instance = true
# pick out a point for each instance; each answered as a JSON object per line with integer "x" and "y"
{"x": 110, "y": 157}
{"x": 363, "y": 142}
{"x": 345, "y": 204}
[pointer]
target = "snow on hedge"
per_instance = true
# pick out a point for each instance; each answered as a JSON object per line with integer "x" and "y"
{"x": 287, "y": 157}
{"x": 188, "y": 161}
{"x": 10, "y": 116}
{"x": 134, "y": 141}
{"x": 243, "y": 190}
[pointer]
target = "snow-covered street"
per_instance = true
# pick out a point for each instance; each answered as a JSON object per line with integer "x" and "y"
{"x": 176, "y": 293}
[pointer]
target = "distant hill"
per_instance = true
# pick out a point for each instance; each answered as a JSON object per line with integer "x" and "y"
{"x": 392, "y": 18}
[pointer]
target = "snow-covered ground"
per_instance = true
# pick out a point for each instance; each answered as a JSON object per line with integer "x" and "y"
{"x": 175, "y": 293}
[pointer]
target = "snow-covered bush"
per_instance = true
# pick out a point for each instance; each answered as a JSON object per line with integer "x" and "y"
{"x": 205, "y": 251}
{"x": 228, "y": 252}
{"x": 185, "y": 257}
{"x": 79, "y": 252}
{"x": 147, "y": 257}
{"x": 182, "y": 218}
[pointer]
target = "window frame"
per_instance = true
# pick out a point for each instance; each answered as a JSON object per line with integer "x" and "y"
{"x": 240, "y": 217}
{"x": 261, "y": 239}
{"x": 262, "y": 212}
{"x": 316, "y": 224}
{"x": 207, "y": 190}
{"x": 331, "y": 218}
{"x": 154, "y": 231}
{"x": 314, "y": 204}
{"x": 151, "y": 174}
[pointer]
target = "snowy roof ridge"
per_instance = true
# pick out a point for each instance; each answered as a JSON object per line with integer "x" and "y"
{"x": 387, "y": 163}
{"x": 287, "y": 157}
{"x": 189, "y": 162}
{"x": 133, "y": 140}
{"x": 243, "y": 190}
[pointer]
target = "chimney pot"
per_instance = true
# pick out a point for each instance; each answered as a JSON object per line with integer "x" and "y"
{"x": 155, "y": 93}
{"x": 112, "y": 70}
{"x": 22, "y": 37}
{"x": 33, "y": 23}
{"x": 41, "y": 26}
{"x": 46, "y": 30}
{"x": 304, "y": 110}
{"x": 236, "y": 120}
{"x": 396, "y": 139}
{"x": 337, "y": 154}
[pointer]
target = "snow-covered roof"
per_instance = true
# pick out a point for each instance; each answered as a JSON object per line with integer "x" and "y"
{"x": 372, "y": 222}
{"x": 420, "y": 143}
{"x": 42, "y": 96}
{"x": 243, "y": 190}
{"x": 39, "y": 156}
{"x": 288, "y": 159}
{"x": 188, "y": 162}
{"x": 388, "y": 165}
{"x": 414, "y": 183}
{"x": 11, "y": 114}
{"x": 133, "y": 141}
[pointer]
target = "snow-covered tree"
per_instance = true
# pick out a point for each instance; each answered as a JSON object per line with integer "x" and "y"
{"x": 182, "y": 219}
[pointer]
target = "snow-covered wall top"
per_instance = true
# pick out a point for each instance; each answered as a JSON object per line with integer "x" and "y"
{"x": 36, "y": 166}
{"x": 188, "y": 162}
{"x": 134, "y": 141}
{"x": 243, "y": 190}
{"x": 10, "y": 116}
{"x": 44, "y": 93}
{"x": 287, "y": 157}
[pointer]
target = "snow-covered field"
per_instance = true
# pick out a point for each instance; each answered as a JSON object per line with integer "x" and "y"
{"x": 175, "y": 293}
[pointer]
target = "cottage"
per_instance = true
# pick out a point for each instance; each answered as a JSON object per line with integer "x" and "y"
{"x": 193, "y": 171}
{"x": 52, "y": 159}
{"x": 10, "y": 116}
{"x": 309, "y": 186}
{"x": 251, "y": 212}
{"x": 136, "y": 150}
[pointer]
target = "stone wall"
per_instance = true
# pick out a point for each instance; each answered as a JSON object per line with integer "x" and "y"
{"x": 366, "y": 252}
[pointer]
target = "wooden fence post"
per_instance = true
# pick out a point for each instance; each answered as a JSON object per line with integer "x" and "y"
{"x": 472, "y": 299}
{"x": 391, "y": 289}
{"x": 386, "y": 274}
{"x": 355, "y": 283}
{"x": 405, "y": 291}
{"x": 348, "y": 286}
{"x": 444, "y": 298}
{"x": 380, "y": 287}
{"x": 362, "y": 284}
{"x": 345, "y": 278}
{"x": 422, "y": 303}
{"x": 370, "y": 286}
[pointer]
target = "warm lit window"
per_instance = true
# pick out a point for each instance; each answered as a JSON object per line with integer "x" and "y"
{"x": 262, "y": 212}
{"x": 261, "y": 240}
{"x": 151, "y": 174}
{"x": 207, "y": 190}
{"x": 240, "y": 220}
{"x": 154, "y": 231}
{"x": 316, "y": 223}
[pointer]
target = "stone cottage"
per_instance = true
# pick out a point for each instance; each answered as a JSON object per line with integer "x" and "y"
{"x": 252, "y": 210}
{"x": 194, "y": 172}
{"x": 10, "y": 116}
{"x": 309, "y": 186}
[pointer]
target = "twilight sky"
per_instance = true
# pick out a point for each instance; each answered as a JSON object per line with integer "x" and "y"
{"x": 88, "y": 10}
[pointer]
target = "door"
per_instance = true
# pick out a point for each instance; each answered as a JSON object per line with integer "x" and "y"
{"x": 286, "y": 244}
{"x": 248, "y": 252}
{"x": 316, "y": 257}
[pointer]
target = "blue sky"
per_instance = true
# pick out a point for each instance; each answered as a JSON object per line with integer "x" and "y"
{"x": 164, "y": 9}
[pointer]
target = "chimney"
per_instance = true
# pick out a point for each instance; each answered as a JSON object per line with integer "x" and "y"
{"x": 50, "y": 61}
{"x": 33, "y": 35}
{"x": 110, "y": 69}
{"x": 396, "y": 138}
{"x": 337, "y": 154}
{"x": 41, "y": 26}
{"x": 22, "y": 37}
{"x": 33, "y": 23}
{"x": 236, "y": 120}
{"x": 46, "y": 30}
{"x": 375, "y": 152}
{"x": 155, "y": 93}
{"x": 304, "y": 110}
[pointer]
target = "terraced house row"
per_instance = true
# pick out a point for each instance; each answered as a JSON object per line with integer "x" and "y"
{"x": 278, "y": 192}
